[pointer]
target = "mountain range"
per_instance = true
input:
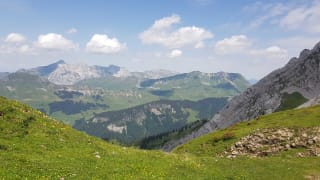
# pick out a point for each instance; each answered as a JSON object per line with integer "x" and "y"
{"x": 78, "y": 94}
{"x": 61, "y": 73}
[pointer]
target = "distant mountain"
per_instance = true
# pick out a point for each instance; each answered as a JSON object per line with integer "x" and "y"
{"x": 44, "y": 70}
{"x": 253, "y": 81}
{"x": 3, "y": 75}
{"x": 62, "y": 73}
{"x": 221, "y": 79}
{"x": 134, "y": 124}
{"x": 197, "y": 85}
{"x": 282, "y": 89}
{"x": 68, "y": 74}
{"x": 72, "y": 92}
{"x": 153, "y": 74}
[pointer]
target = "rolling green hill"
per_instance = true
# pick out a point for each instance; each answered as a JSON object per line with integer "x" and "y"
{"x": 34, "y": 146}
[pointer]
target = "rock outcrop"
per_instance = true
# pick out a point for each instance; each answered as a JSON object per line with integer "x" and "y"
{"x": 301, "y": 75}
{"x": 268, "y": 142}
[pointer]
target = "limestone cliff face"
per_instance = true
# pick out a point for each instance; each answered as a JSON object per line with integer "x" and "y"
{"x": 300, "y": 75}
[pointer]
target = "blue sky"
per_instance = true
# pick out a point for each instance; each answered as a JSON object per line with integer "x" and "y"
{"x": 247, "y": 36}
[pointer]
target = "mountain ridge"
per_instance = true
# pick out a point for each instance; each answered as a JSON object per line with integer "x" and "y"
{"x": 133, "y": 124}
{"x": 299, "y": 75}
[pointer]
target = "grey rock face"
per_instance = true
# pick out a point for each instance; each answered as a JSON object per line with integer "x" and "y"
{"x": 68, "y": 74}
{"x": 299, "y": 75}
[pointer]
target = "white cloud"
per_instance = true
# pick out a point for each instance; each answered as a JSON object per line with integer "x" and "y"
{"x": 162, "y": 32}
{"x": 199, "y": 45}
{"x": 54, "y": 41}
{"x": 303, "y": 18}
{"x": 16, "y": 48}
{"x": 242, "y": 45}
{"x": 166, "y": 22}
{"x": 15, "y": 38}
{"x": 234, "y": 44}
{"x": 272, "y": 52}
{"x": 296, "y": 44}
{"x": 16, "y": 43}
{"x": 271, "y": 13}
{"x": 102, "y": 44}
{"x": 291, "y": 15}
{"x": 175, "y": 53}
{"x": 25, "y": 49}
{"x": 72, "y": 31}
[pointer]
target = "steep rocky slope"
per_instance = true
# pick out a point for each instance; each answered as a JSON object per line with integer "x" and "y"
{"x": 301, "y": 75}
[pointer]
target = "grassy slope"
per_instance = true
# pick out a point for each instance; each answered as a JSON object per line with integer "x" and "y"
{"x": 211, "y": 145}
{"x": 36, "y": 147}
{"x": 205, "y": 145}
{"x": 291, "y": 101}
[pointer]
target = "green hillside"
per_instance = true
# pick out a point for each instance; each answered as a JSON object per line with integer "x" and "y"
{"x": 302, "y": 123}
{"x": 213, "y": 144}
{"x": 131, "y": 125}
{"x": 196, "y": 85}
{"x": 34, "y": 146}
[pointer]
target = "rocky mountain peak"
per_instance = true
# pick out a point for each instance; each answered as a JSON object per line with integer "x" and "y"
{"x": 60, "y": 62}
{"x": 68, "y": 74}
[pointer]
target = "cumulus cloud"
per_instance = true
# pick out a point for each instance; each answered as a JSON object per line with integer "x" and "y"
{"x": 304, "y": 18}
{"x": 16, "y": 43}
{"x": 163, "y": 33}
{"x": 72, "y": 31}
{"x": 54, "y": 41}
{"x": 242, "y": 45}
{"x": 272, "y": 52}
{"x": 175, "y": 53}
{"x": 234, "y": 44}
{"x": 102, "y": 44}
{"x": 15, "y": 38}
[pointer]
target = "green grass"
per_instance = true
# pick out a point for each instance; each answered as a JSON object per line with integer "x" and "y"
{"x": 213, "y": 144}
{"x": 34, "y": 146}
{"x": 290, "y": 101}
{"x": 193, "y": 115}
